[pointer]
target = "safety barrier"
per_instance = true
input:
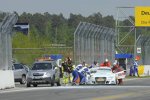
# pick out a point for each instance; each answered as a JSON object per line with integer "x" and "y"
{"x": 144, "y": 70}
{"x": 6, "y": 79}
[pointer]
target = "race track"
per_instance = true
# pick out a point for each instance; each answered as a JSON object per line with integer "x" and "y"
{"x": 133, "y": 89}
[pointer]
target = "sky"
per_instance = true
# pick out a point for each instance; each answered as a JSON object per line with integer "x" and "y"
{"x": 83, "y": 7}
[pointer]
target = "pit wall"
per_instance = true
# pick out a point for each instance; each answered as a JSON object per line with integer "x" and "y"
{"x": 6, "y": 79}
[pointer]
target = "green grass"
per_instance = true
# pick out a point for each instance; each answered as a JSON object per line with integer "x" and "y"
{"x": 28, "y": 56}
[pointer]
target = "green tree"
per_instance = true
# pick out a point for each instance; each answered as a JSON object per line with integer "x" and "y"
{"x": 96, "y": 18}
{"x": 109, "y": 21}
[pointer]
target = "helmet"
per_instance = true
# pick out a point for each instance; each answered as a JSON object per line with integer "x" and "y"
{"x": 86, "y": 65}
{"x": 106, "y": 60}
{"x": 86, "y": 69}
{"x": 114, "y": 63}
{"x": 79, "y": 67}
{"x": 95, "y": 62}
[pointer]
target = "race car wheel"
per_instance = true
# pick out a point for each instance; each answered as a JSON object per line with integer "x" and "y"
{"x": 116, "y": 82}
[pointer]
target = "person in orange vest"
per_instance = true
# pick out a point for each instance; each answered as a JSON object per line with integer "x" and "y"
{"x": 106, "y": 63}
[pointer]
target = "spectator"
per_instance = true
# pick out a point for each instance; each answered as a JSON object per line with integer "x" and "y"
{"x": 131, "y": 71}
{"x": 135, "y": 69}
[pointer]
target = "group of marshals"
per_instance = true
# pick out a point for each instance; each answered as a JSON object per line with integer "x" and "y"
{"x": 70, "y": 74}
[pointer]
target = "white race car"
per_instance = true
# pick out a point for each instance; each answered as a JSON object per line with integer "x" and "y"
{"x": 101, "y": 75}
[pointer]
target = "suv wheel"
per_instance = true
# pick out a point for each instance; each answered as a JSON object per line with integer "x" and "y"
{"x": 52, "y": 81}
{"x": 23, "y": 80}
{"x": 28, "y": 84}
{"x": 35, "y": 85}
{"x": 58, "y": 83}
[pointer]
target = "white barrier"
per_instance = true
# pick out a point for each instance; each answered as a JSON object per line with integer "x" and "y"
{"x": 147, "y": 70}
{"x": 6, "y": 79}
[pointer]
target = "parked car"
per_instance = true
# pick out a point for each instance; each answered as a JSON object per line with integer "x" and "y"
{"x": 102, "y": 75}
{"x": 43, "y": 72}
{"x": 20, "y": 72}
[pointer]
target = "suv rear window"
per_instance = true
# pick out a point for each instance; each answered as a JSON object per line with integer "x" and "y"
{"x": 42, "y": 66}
{"x": 18, "y": 66}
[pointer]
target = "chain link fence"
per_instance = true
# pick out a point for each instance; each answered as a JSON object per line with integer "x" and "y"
{"x": 144, "y": 44}
{"x": 93, "y": 43}
{"x": 7, "y": 21}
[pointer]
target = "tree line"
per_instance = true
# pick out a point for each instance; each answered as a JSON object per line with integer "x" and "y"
{"x": 46, "y": 28}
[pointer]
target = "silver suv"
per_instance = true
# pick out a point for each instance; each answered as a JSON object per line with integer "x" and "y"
{"x": 43, "y": 72}
{"x": 20, "y": 72}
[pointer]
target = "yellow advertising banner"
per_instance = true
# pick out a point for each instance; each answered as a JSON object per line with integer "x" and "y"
{"x": 142, "y": 16}
{"x": 141, "y": 70}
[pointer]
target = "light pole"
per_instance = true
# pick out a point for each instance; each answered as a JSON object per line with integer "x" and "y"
{"x": 56, "y": 35}
{"x": 135, "y": 44}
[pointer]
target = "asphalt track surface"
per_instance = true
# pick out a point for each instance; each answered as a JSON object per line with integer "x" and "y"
{"x": 133, "y": 89}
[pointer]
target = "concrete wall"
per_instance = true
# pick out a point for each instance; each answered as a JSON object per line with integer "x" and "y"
{"x": 147, "y": 70}
{"x": 6, "y": 79}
